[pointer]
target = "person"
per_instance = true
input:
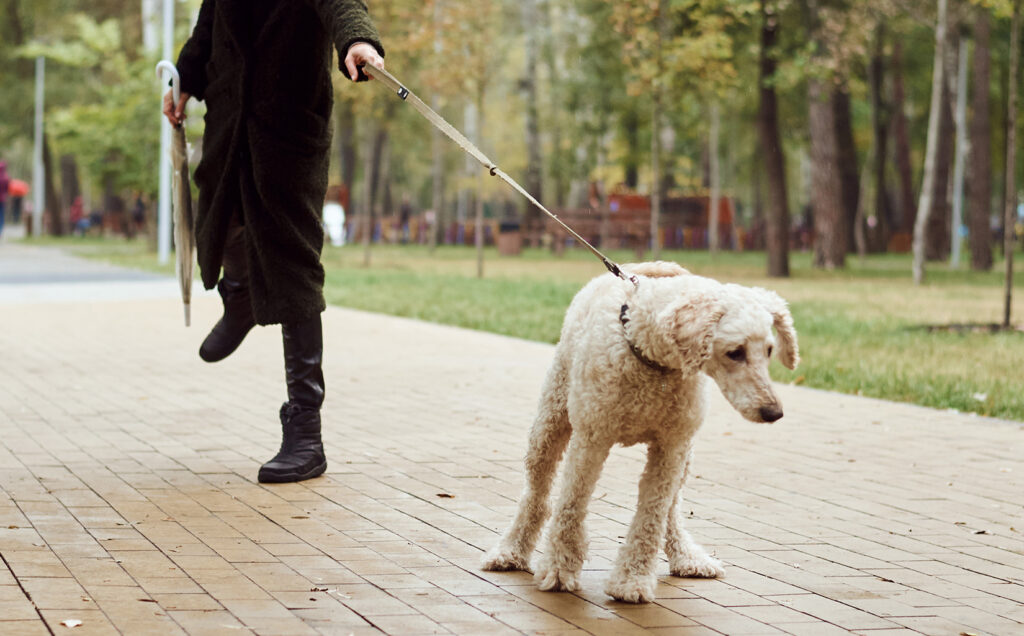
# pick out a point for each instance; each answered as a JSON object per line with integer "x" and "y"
{"x": 404, "y": 217}
{"x": 17, "y": 189}
{"x": 79, "y": 222}
{"x": 138, "y": 220}
{"x": 263, "y": 69}
{"x": 5, "y": 181}
{"x": 334, "y": 216}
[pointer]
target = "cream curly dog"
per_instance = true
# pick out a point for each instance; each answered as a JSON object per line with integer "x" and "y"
{"x": 632, "y": 367}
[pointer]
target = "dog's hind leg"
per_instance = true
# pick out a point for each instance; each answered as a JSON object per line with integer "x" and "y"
{"x": 566, "y": 545}
{"x": 685, "y": 556}
{"x": 548, "y": 439}
{"x": 632, "y": 578}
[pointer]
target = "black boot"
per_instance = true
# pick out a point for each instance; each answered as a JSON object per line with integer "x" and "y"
{"x": 302, "y": 451}
{"x": 233, "y": 326}
{"x": 237, "y": 320}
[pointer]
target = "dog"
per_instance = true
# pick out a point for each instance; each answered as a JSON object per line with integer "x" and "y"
{"x": 633, "y": 365}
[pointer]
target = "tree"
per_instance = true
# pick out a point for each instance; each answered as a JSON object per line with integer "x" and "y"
{"x": 901, "y": 143}
{"x": 980, "y": 179}
{"x": 880, "y": 119}
{"x": 931, "y": 147}
{"x": 777, "y": 209}
{"x": 1010, "y": 210}
{"x": 830, "y": 242}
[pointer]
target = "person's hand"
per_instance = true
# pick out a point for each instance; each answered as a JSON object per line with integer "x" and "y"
{"x": 175, "y": 112}
{"x": 359, "y": 54}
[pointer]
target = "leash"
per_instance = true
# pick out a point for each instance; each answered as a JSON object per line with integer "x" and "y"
{"x": 452, "y": 133}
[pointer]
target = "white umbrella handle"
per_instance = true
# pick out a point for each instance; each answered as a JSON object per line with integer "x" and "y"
{"x": 164, "y": 65}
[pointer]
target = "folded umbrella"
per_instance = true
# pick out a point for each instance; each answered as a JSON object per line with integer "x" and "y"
{"x": 184, "y": 219}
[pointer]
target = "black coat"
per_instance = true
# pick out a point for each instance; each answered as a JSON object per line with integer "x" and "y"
{"x": 263, "y": 69}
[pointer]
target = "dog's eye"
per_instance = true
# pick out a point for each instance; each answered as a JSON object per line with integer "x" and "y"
{"x": 738, "y": 355}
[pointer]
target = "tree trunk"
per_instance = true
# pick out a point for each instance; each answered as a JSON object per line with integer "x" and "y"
{"x": 437, "y": 180}
{"x": 1010, "y": 210}
{"x": 70, "y": 190}
{"x": 481, "y": 92}
{"x": 631, "y": 163}
{"x": 777, "y": 208}
{"x": 979, "y": 188}
{"x": 534, "y": 178}
{"x": 346, "y": 122}
{"x": 931, "y": 147}
{"x": 961, "y": 153}
{"x": 371, "y": 157}
{"x": 826, "y": 184}
{"x": 656, "y": 122}
{"x": 436, "y": 227}
{"x": 846, "y": 156}
{"x": 878, "y": 232}
{"x": 716, "y": 180}
{"x": 937, "y": 228}
{"x": 53, "y": 207}
{"x": 901, "y": 138}
{"x": 830, "y": 226}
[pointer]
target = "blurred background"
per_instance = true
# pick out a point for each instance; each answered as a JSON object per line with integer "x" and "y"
{"x": 725, "y": 124}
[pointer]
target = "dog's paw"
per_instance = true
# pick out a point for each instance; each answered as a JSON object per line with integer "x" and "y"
{"x": 703, "y": 566}
{"x": 551, "y": 578}
{"x": 503, "y": 559}
{"x": 631, "y": 588}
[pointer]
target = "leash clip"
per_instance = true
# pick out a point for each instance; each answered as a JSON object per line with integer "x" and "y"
{"x": 403, "y": 92}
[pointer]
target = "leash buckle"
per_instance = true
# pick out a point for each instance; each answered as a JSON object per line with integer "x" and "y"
{"x": 403, "y": 92}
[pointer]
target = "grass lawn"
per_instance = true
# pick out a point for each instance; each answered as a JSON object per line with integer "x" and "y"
{"x": 860, "y": 328}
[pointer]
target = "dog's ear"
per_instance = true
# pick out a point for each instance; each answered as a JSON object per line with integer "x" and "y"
{"x": 691, "y": 324}
{"x": 789, "y": 352}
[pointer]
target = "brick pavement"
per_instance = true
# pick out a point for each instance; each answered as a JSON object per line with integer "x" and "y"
{"x": 128, "y": 498}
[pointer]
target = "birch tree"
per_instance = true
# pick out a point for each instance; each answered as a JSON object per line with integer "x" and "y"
{"x": 924, "y": 204}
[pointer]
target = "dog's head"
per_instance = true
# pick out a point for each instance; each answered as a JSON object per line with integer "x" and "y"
{"x": 727, "y": 334}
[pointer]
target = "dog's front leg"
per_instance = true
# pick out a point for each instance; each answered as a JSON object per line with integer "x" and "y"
{"x": 566, "y": 546}
{"x": 632, "y": 579}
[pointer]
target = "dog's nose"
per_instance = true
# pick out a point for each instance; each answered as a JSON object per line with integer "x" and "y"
{"x": 770, "y": 413}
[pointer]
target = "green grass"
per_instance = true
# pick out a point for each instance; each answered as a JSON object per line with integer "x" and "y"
{"x": 859, "y": 328}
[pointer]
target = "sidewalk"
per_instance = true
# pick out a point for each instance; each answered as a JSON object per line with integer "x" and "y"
{"x": 128, "y": 498}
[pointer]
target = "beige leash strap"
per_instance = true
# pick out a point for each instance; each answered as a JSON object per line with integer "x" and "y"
{"x": 389, "y": 80}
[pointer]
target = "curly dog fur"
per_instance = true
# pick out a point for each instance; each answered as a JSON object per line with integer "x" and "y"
{"x": 685, "y": 331}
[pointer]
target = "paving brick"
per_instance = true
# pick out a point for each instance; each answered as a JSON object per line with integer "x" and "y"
{"x": 129, "y": 499}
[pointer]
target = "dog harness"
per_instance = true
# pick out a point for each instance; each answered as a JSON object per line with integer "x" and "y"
{"x": 624, "y": 319}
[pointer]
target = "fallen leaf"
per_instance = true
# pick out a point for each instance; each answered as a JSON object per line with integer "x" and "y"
{"x": 318, "y": 589}
{"x": 12, "y": 527}
{"x": 146, "y": 600}
{"x": 300, "y": 517}
{"x": 981, "y": 532}
{"x": 960, "y": 523}
{"x": 444, "y": 495}
{"x": 71, "y": 622}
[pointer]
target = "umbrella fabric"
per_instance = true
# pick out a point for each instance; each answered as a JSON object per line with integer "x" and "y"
{"x": 184, "y": 220}
{"x": 17, "y": 188}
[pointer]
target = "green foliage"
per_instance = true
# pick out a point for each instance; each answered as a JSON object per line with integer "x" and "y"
{"x": 114, "y": 125}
